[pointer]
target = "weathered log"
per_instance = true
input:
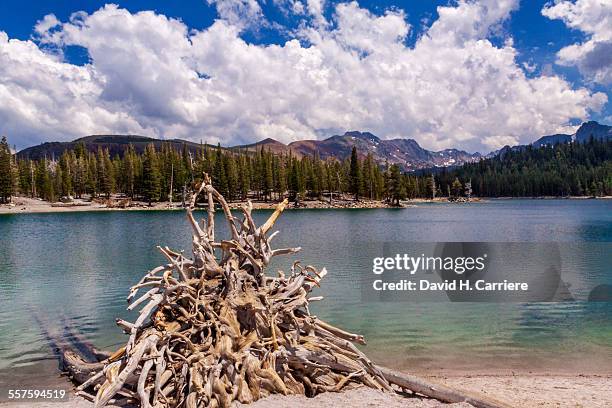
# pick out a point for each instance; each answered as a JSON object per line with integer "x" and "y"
{"x": 79, "y": 370}
{"x": 436, "y": 391}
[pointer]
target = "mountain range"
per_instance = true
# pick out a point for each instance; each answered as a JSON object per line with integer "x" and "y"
{"x": 116, "y": 145}
{"x": 584, "y": 132}
{"x": 405, "y": 152}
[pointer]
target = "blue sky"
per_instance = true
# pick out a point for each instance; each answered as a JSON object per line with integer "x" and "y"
{"x": 534, "y": 38}
{"x": 537, "y": 38}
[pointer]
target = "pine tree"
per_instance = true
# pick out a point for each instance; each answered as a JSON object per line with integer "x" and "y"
{"x": 25, "y": 174}
{"x": 594, "y": 189}
{"x": 397, "y": 189}
{"x": 320, "y": 176}
{"x": 92, "y": 175}
{"x": 268, "y": 179}
{"x": 105, "y": 172}
{"x": 150, "y": 174}
{"x": 7, "y": 172}
{"x": 281, "y": 178}
{"x": 244, "y": 175}
{"x": 44, "y": 181}
{"x": 456, "y": 188}
{"x": 219, "y": 178}
{"x": 231, "y": 171}
{"x": 186, "y": 157}
{"x": 355, "y": 174}
{"x": 129, "y": 171}
{"x": 296, "y": 180}
{"x": 57, "y": 178}
{"x": 369, "y": 177}
{"x": 80, "y": 150}
{"x": 80, "y": 176}
{"x": 207, "y": 159}
{"x": 66, "y": 175}
{"x": 379, "y": 180}
{"x": 181, "y": 175}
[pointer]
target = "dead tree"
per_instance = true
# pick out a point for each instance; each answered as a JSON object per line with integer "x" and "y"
{"x": 214, "y": 329}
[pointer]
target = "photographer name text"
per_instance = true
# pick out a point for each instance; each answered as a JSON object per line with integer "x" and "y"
{"x": 455, "y": 285}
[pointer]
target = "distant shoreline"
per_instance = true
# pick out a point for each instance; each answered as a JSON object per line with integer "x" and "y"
{"x": 26, "y": 205}
{"x": 548, "y": 198}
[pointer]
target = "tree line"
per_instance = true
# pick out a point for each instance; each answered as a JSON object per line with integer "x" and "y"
{"x": 168, "y": 173}
{"x": 560, "y": 170}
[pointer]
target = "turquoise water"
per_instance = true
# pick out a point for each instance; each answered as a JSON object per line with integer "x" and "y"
{"x": 74, "y": 269}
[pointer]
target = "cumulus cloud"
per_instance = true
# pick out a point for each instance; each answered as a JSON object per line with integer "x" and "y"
{"x": 358, "y": 29}
{"x": 152, "y": 75}
{"x": 47, "y": 23}
{"x": 290, "y": 7}
{"x": 593, "y": 17}
{"x": 239, "y": 13}
{"x": 470, "y": 20}
{"x": 45, "y": 99}
{"x": 315, "y": 9}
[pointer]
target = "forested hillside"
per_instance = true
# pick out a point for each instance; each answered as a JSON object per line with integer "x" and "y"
{"x": 564, "y": 169}
{"x": 578, "y": 169}
{"x": 238, "y": 174}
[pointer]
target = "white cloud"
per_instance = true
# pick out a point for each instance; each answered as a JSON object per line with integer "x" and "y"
{"x": 240, "y": 13}
{"x": 48, "y": 22}
{"x": 315, "y": 9}
{"x": 360, "y": 30}
{"x": 150, "y": 74}
{"x": 470, "y": 20}
{"x": 593, "y": 17}
{"x": 529, "y": 67}
{"x": 45, "y": 99}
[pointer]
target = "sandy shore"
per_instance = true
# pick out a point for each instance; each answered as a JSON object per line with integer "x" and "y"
{"x": 540, "y": 391}
{"x": 524, "y": 390}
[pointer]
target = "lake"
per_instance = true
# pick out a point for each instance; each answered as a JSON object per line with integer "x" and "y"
{"x": 74, "y": 269}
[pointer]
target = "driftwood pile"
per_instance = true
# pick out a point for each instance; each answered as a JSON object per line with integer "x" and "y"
{"x": 214, "y": 329}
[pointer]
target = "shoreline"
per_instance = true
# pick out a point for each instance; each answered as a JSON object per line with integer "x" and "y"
{"x": 541, "y": 389}
{"x": 26, "y": 205}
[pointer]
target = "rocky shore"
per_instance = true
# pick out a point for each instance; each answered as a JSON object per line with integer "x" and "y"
{"x": 22, "y": 205}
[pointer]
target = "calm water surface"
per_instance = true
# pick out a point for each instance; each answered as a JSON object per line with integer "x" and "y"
{"x": 74, "y": 269}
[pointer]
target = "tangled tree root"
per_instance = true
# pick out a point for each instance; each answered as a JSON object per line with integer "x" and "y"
{"x": 215, "y": 329}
